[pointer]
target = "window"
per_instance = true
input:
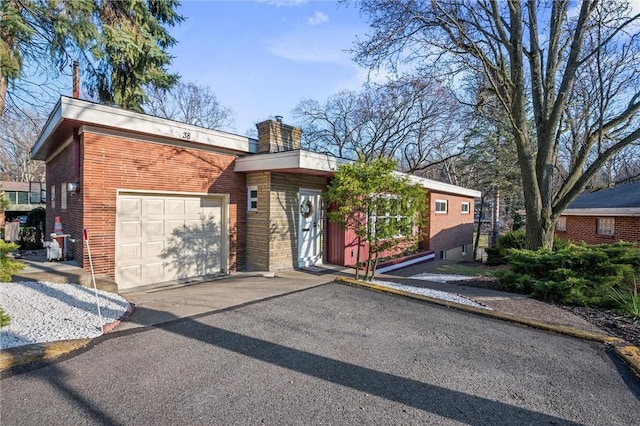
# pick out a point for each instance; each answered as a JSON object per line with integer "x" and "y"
{"x": 464, "y": 249}
{"x": 464, "y": 208}
{"x": 63, "y": 196}
{"x": 53, "y": 197}
{"x": 388, "y": 213}
{"x": 561, "y": 224}
{"x": 23, "y": 197}
{"x": 443, "y": 254}
{"x": 606, "y": 226}
{"x": 441, "y": 206}
{"x": 252, "y": 198}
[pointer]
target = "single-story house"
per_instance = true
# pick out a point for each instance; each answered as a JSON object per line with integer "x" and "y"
{"x": 603, "y": 216}
{"x": 163, "y": 200}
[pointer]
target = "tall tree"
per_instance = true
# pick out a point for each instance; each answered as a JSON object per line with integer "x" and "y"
{"x": 381, "y": 207}
{"x": 189, "y": 103}
{"x": 120, "y": 45}
{"x": 16, "y": 140}
{"x": 409, "y": 119}
{"x": 533, "y": 54}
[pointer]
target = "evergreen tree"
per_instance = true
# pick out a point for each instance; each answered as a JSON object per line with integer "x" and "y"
{"x": 121, "y": 46}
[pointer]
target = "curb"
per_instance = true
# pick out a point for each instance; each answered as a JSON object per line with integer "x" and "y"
{"x": 629, "y": 353}
{"x": 20, "y": 356}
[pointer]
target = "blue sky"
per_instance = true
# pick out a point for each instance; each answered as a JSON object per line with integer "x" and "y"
{"x": 262, "y": 57}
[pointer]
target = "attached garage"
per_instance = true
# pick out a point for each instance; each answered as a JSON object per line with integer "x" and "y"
{"x": 164, "y": 237}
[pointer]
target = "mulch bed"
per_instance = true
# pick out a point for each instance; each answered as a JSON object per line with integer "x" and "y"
{"x": 626, "y": 327}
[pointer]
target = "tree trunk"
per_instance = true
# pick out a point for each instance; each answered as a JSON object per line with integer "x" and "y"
{"x": 3, "y": 93}
{"x": 478, "y": 229}
{"x": 495, "y": 218}
{"x": 539, "y": 232}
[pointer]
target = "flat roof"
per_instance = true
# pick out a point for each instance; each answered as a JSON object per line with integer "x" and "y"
{"x": 70, "y": 113}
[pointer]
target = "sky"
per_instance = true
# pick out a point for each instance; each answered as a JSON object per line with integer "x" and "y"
{"x": 261, "y": 58}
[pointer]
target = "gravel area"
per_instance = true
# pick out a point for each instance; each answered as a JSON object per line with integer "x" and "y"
{"x": 45, "y": 312}
{"x": 436, "y": 294}
{"x": 440, "y": 278}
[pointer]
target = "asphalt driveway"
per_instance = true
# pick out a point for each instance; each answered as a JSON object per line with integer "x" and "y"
{"x": 332, "y": 354}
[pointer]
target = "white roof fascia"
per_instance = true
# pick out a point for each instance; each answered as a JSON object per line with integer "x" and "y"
{"x": 622, "y": 211}
{"x": 105, "y": 116}
{"x": 54, "y": 120}
{"x": 437, "y": 186}
{"x": 289, "y": 160}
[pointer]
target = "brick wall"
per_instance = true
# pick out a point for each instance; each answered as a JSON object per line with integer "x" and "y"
{"x": 583, "y": 229}
{"x": 109, "y": 163}
{"x": 451, "y": 230}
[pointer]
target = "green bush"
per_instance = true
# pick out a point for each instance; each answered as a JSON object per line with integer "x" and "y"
{"x": 8, "y": 266}
{"x": 27, "y": 238}
{"x": 576, "y": 274}
{"x": 4, "y": 318}
{"x": 36, "y": 219}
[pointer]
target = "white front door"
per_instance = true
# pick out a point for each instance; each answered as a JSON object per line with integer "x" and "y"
{"x": 310, "y": 228}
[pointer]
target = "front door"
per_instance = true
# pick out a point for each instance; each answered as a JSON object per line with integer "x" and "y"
{"x": 310, "y": 228}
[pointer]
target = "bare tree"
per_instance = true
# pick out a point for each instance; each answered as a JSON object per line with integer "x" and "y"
{"x": 16, "y": 140}
{"x": 533, "y": 54}
{"x": 189, "y": 103}
{"x": 411, "y": 120}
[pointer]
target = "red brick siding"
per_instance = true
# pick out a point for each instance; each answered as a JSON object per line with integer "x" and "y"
{"x": 583, "y": 229}
{"x": 450, "y": 230}
{"x": 110, "y": 163}
{"x": 59, "y": 172}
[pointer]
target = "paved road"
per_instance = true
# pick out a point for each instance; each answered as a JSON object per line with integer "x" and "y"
{"x": 330, "y": 355}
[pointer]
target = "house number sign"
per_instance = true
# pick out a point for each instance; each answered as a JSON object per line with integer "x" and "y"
{"x": 306, "y": 208}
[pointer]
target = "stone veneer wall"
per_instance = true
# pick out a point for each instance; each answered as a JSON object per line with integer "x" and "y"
{"x": 272, "y": 231}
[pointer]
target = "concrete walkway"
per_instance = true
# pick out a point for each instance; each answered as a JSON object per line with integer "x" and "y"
{"x": 155, "y": 305}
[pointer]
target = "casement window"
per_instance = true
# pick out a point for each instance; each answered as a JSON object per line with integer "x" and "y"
{"x": 464, "y": 208}
{"x": 252, "y": 198}
{"x": 52, "y": 198}
{"x": 441, "y": 206}
{"x": 605, "y": 226}
{"x": 561, "y": 224}
{"x": 63, "y": 196}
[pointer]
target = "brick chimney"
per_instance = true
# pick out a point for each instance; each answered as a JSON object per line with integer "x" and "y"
{"x": 275, "y": 136}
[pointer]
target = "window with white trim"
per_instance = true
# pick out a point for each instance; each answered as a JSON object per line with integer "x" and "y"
{"x": 561, "y": 224}
{"x": 252, "y": 198}
{"x": 387, "y": 214}
{"x": 606, "y": 226}
{"x": 441, "y": 206}
{"x": 464, "y": 208}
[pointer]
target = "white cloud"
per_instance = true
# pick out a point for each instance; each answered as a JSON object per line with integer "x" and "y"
{"x": 318, "y": 18}
{"x": 304, "y": 47}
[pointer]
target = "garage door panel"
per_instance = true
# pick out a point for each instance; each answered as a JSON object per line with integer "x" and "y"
{"x": 153, "y": 207}
{"x": 153, "y": 249}
{"x": 130, "y": 253}
{"x": 154, "y": 229}
{"x": 164, "y": 238}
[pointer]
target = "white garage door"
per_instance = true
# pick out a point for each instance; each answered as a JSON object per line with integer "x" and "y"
{"x": 166, "y": 237}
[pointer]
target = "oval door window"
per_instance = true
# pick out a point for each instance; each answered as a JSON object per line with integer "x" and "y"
{"x": 306, "y": 208}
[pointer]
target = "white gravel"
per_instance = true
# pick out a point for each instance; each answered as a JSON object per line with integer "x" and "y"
{"x": 436, "y": 294}
{"x": 45, "y": 312}
{"x": 440, "y": 278}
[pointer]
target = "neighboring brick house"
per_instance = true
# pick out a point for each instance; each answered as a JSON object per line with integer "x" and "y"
{"x": 164, "y": 201}
{"x": 603, "y": 216}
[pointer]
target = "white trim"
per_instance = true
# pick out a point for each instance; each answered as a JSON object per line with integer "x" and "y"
{"x": 301, "y": 159}
{"x": 249, "y": 198}
{"x": 621, "y": 211}
{"x": 465, "y": 203}
{"x": 437, "y": 186}
{"x": 298, "y": 159}
{"x": 403, "y": 264}
{"x": 159, "y": 192}
{"x": 446, "y": 207}
{"x": 110, "y": 117}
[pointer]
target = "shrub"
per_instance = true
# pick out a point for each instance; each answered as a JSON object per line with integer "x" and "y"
{"x": 575, "y": 274}
{"x": 4, "y": 318}
{"x": 27, "y": 238}
{"x": 36, "y": 219}
{"x": 8, "y": 266}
